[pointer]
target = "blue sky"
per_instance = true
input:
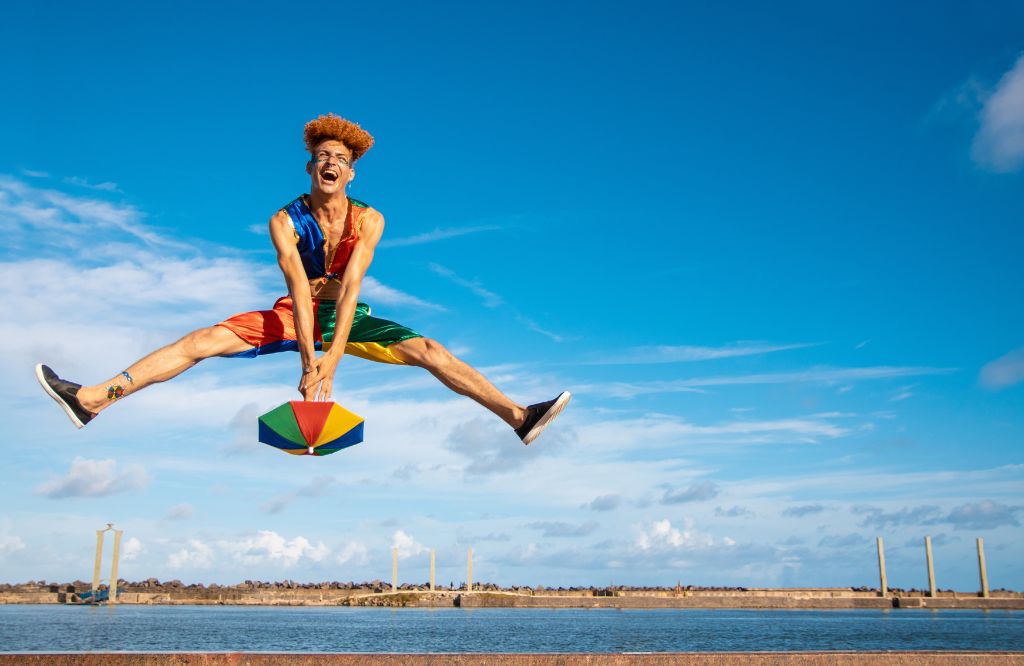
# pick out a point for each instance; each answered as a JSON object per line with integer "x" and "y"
{"x": 776, "y": 255}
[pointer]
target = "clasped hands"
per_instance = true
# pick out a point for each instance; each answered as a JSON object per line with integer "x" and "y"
{"x": 318, "y": 378}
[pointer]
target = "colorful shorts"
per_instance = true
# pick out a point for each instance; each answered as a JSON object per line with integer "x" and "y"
{"x": 271, "y": 331}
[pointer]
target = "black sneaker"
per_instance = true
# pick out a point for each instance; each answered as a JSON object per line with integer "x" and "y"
{"x": 540, "y": 415}
{"x": 65, "y": 393}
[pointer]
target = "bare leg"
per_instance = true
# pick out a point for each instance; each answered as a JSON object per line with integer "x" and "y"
{"x": 161, "y": 365}
{"x": 459, "y": 377}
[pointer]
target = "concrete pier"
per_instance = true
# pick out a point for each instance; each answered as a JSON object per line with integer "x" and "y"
{"x": 981, "y": 568}
{"x": 931, "y": 566}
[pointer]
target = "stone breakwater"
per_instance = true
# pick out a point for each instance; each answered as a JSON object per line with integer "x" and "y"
{"x": 377, "y": 593}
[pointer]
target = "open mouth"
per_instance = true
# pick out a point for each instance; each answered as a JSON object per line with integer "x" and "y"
{"x": 330, "y": 175}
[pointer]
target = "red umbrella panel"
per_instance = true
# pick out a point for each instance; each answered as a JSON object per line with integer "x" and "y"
{"x": 310, "y": 428}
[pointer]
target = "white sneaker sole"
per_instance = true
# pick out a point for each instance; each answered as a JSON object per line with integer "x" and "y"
{"x": 560, "y": 402}
{"x": 60, "y": 401}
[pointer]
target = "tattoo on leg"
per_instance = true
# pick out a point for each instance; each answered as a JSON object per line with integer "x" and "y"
{"x": 115, "y": 391}
{"x": 127, "y": 376}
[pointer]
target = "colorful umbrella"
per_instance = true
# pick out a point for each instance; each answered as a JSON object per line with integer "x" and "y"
{"x": 311, "y": 428}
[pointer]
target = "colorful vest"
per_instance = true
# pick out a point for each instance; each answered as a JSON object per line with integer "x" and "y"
{"x": 311, "y": 243}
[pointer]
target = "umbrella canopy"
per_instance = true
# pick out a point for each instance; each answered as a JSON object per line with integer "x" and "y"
{"x": 310, "y": 428}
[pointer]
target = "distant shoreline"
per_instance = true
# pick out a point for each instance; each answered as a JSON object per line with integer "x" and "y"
{"x": 491, "y": 596}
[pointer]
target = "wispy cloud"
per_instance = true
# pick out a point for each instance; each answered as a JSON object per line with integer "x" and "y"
{"x": 487, "y": 297}
{"x": 317, "y": 487}
{"x": 1003, "y": 372}
{"x": 559, "y": 529}
{"x": 688, "y": 353}
{"x": 802, "y": 510}
{"x": 82, "y": 182}
{"x": 734, "y": 512}
{"x": 604, "y": 503}
{"x": 815, "y": 375}
{"x": 999, "y": 143}
{"x": 984, "y": 515}
{"x": 94, "y": 478}
{"x": 81, "y": 216}
{"x": 875, "y": 517}
{"x": 698, "y": 492}
{"x": 436, "y": 235}
{"x": 375, "y": 291}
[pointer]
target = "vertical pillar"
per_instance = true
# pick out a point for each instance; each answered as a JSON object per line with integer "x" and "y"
{"x": 469, "y": 571}
{"x": 981, "y": 567}
{"x": 884, "y": 587}
{"x": 931, "y": 567}
{"x": 99, "y": 560}
{"x": 433, "y": 561}
{"x": 394, "y": 569}
{"x": 112, "y": 599}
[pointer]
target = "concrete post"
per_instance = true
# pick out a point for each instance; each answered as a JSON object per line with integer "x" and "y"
{"x": 881, "y": 567}
{"x": 469, "y": 572}
{"x": 99, "y": 561}
{"x": 112, "y": 599}
{"x": 931, "y": 567}
{"x": 394, "y": 569}
{"x": 981, "y": 567}
{"x": 433, "y": 561}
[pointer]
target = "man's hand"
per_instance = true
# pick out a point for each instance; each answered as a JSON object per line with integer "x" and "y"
{"x": 318, "y": 378}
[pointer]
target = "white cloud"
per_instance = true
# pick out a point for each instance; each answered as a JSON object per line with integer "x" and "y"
{"x": 406, "y": 545}
{"x": 1003, "y": 372}
{"x": 268, "y": 546}
{"x": 131, "y": 549}
{"x": 661, "y": 536}
{"x": 999, "y": 143}
{"x": 353, "y": 553}
{"x": 197, "y": 555}
{"x": 180, "y": 512}
{"x": 9, "y": 543}
{"x": 94, "y": 478}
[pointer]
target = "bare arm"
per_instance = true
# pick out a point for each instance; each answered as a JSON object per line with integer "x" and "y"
{"x": 351, "y": 282}
{"x": 283, "y": 234}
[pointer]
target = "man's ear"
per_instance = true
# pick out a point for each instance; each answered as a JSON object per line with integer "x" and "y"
{"x": 352, "y": 175}
{"x": 309, "y": 167}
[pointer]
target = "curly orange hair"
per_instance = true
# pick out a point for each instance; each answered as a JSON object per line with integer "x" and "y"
{"x": 325, "y": 128}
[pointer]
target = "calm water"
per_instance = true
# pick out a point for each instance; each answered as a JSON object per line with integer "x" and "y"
{"x": 296, "y": 629}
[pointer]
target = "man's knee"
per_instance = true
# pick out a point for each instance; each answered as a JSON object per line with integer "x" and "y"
{"x": 424, "y": 353}
{"x": 206, "y": 342}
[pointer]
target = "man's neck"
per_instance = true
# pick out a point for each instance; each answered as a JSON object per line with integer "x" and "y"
{"x": 328, "y": 206}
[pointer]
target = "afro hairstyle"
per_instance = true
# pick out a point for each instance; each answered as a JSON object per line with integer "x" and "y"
{"x": 325, "y": 128}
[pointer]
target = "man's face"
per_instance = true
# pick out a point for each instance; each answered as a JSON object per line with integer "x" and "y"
{"x": 330, "y": 167}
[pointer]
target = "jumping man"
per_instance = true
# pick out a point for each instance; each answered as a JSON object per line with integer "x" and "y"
{"x": 325, "y": 242}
